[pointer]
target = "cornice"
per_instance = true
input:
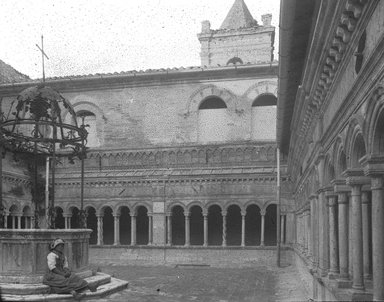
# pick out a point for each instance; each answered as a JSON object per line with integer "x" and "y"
{"x": 150, "y": 77}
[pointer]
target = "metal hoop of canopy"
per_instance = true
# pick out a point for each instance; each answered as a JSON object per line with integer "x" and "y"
{"x": 34, "y": 124}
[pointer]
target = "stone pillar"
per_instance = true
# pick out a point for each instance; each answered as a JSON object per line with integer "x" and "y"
{"x": 205, "y": 215}
{"x": 224, "y": 228}
{"x": 350, "y": 237}
{"x": 357, "y": 238}
{"x": 69, "y": 221}
{"x": 187, "y": 229}
{"x": 100, "y": 230}
{"x": 116, "y": 240}
{"x": 262, "y": 213}
{"x": 13, "y": 217}
{"x": 333, "y": 246}
{"x": 377, "y": 236}
{"x": 150, "y": 226}
{"x": 159, "y": 224}
{"x": 282, "y": 233}
{"x": 169, "y": 229}
{"x": 342, "y": 202}
{"x": 133, "y": 229}
{"x": 243, "y": 228}
{"x": 304, "y": 230}
{"x": 366, "y": 233}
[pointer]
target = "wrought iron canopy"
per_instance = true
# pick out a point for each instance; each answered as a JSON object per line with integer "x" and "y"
{"x": 40, "y": 120}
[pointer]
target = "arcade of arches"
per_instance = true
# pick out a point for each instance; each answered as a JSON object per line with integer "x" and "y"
{"x": 195, "y": 226}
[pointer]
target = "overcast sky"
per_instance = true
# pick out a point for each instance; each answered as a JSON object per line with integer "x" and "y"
{"x": 96, "y": 36}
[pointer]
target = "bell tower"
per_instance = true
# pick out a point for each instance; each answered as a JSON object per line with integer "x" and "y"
{"x": 240, "y": 39}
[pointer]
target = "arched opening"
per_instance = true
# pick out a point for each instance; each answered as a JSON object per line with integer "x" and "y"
{"x": 197, "y": 226}
{"x": 26, "y": 220}
{"x": 358, "y": 151}
{"x": 75, "y": 223}
{"x": 270, "y": 225}
{"x": 142, "y": 224}
{"x": 59, "y": 220}
{"x": 233, "y": 222}
{"x": 235, "y": 60}
{"x": 212, "y": 120}
{"x": 12, "y": 219}
{"x": 253, "y": 225}
{"x": 342, "y": 162}
{"x": 91, "y": 126}
{"x": 125, "y": 226}
{"x": 178, "y": 226}
{"x": 378, "y": 137}
{"x": 108, "y": 226}
{"x": 264, "y": 117}
{"x": 215, "y": 225}
{"x": 92, "y": 224}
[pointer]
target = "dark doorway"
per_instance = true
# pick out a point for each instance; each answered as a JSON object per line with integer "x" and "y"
{"x": 253, "y": 225}
{"x": 233, "y": 225}
{"x": 178, "y": 226}
{"x": 125, "y": 226}
{"x": 197, "y": 226}
{"x": 142, "y": 224}
{"x": 215, "y": 226}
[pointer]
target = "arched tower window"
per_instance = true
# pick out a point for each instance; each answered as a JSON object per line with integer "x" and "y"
{"x": 213, "y": 125}
{"x": 90, "y": 120}
{"x": 264, "y": 117}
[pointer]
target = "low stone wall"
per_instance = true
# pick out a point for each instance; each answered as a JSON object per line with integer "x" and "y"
{"x": 181, "y": 255}
{"x": 23, "y": 257}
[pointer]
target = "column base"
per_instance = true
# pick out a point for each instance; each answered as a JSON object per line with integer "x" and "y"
{"x": 333, "y": 275}
{"x": 358, "y": 288}
{"x": 362, "y": 296}
{"x": 344, "y": 283}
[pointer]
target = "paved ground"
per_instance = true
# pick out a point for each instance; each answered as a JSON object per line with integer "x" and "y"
{"x": 207, "y": 284}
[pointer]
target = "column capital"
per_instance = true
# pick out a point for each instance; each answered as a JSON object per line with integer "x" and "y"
{"x": 313, "y": 196}
{"x": 377, "y": 182}
{"x": 263, "y": 212}
{"x": 373, "y": 165}
{"x": 339, "y": 185}
{"x": 116, "y": 215}
{"x": 355, "y": 177}
{"x": 133, "y": 215}
{"x": 243, "y": 213}
{"x": 224, "y": 213}
{"x": 187, "y": 214}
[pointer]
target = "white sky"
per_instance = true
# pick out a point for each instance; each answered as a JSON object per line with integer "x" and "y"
{"x": 100, "y": 36}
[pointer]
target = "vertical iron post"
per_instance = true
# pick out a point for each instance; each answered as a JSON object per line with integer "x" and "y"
{"x": 278, "y": 207}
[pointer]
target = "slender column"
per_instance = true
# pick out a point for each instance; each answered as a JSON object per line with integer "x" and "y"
{"x": 282, "y": 233}
{"x": 304, "y": 231}
{"x": 311, "y": 251}
{"x": 243, "y": 228}
{"x": 6, "y": 214}
{"x": 69, "y": 221}
{"x": 116, "y": 240}
{"x": 65, "y": 221}
{"x": 169, "y": 229}
{"x": 224, "y": 229}
{"x": 350, "y": 237}
{"x": 323, "y": 234}
{"x": 133, "y": 229}
{"x": 343, "y": 234}
{"x": 357, "y": 240}
{"x": 334, "y": 269}
{"x": 19, "y": 221}
{"x": 205, "y": 215}
{"x": 187, "y": 229}
{"x": 366, "y": 227}
{"x": 309, "y": 243}
{"x": 100, "y": 230}
{"x": 377, "y": 236}
{"x": 13, "y": 217}
{"x": 30, "y": 222}
{"x": 262, "y": 213}
{"x": 150, "y": 228}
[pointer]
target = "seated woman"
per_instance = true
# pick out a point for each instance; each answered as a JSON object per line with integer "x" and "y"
{"x": 58, "y": 276}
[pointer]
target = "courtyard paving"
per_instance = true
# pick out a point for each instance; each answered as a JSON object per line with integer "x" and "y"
{"x": 207, "y": 284}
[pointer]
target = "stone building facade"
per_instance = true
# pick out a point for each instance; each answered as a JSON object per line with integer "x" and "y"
{"x": 177, "y": 157}
{"x": 330, "y": 126}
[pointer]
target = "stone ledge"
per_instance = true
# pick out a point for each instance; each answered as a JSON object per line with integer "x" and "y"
{"x": 40, "y": 289}
{"x": 103, "y": 290}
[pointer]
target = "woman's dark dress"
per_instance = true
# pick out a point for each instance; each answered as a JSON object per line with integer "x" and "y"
{"x": 58, "y": 283}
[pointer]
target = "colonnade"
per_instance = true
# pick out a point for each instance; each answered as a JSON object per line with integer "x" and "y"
{"x": 340, "y": 231}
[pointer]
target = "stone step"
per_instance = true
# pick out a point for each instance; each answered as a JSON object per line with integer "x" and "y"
{"x": 38, "y": 289}
{"x": 103, "y": 290}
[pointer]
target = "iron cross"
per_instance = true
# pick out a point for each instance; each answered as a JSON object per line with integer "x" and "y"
{"x": 42, "y": 55}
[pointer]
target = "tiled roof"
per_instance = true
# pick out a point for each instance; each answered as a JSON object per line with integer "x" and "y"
{"x": 238, "y": 17}
{"x": 10, "y": 75}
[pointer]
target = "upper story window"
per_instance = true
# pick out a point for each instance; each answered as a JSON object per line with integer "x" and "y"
{"x": 213, "y": 120}
{"x": 264, "y": 117}
{"x": 91, "y": 122}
